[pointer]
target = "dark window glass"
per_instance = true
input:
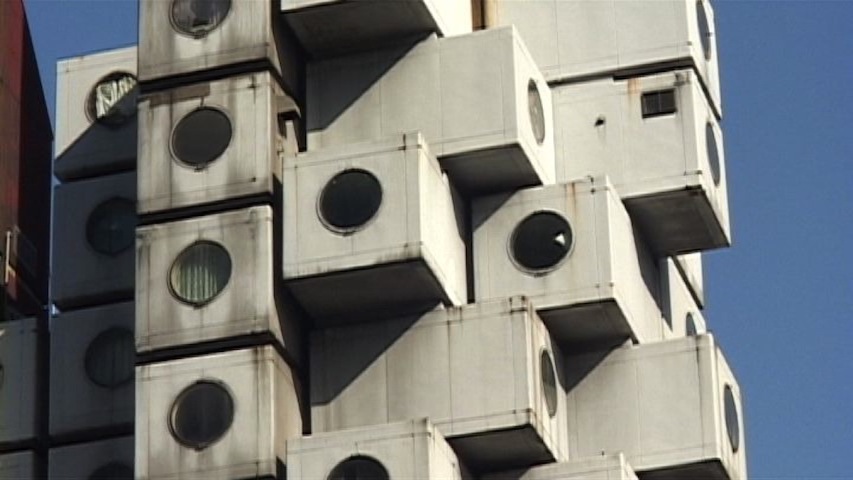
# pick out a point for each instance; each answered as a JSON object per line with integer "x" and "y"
{"x": 197, "y": 18}
{"x": 704, "y": 29}
{"x": 112, "y": 101}
{"x": 350, "y": 200}
{"x": 549, "y": 382}
{"x": 113, "y": 471}
{"x": 110, "y": 358}
{"x": 2, "y": 372}
{"x": 201, "y": 414}
{"x": 201, "y": 137}
{"x": 713, "y": 153}
{"x": 359, "y": 468}
{"x": 661, "y": 102}
{"x": 537, "y": 114}
{"x": 690, "y": 325}
{"x": 541, "y": 240}
{"x": 732, "y": 418}
{"x": 111, "y": 227}
{"x": 200, "y": 272}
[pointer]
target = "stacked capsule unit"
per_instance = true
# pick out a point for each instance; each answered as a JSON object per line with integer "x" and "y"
{"x": 219, "y": 372}
{"x": 404, "y": 239}
{"x": 92, "y": 341}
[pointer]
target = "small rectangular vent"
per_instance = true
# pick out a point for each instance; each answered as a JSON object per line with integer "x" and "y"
{"x": 657, "y": 103}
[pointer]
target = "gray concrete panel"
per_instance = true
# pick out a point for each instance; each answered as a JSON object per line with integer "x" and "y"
{"x": 468, "y": 95}
{"x": 266, "y": 413}
{"x": 572, "y": 40}
{"x": 250, "y": 163}
{"x": 604, "y": 289}
{"x": 18, "y": 383}
{"x": 662, "y": 405}
{"x": 250, "y": 37}
{"x": 659, "y": 163}
{"x": 679, "y": 306}
{"x": 84, "y": 145}
{"x": 409, "y": 255}
{"x": 690, "y": 267}
{"x": 83, "y": 399}
{"x": 83, "y": 275}
{"x": 249, "y": 302}
{"x": 332, "y": 27}
{"x": 602, "y": 467}
{"x": 83, "y": 460}
{"x": 475, "y": 371}
{"x": 412, "y": 449}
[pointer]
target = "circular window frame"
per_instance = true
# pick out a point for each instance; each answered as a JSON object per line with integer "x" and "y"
{"x": 542, "y": 271}
{"x": 88, "y": 102}
{"x": 690, "y": 327}
{"x": 89, "y": 353}
{"x": 733, "y": 435}
{"x": 533, "y": 85}
{"x": 201, "y": 35}
{"x": 349, "y": 230}
{"x": 702, "y": 14}
{"x": 553, "y": 405}
{"x": 711, "y": 140}
{"x": 173, "y": 412}
{"x": 103, "y": 205}
{"x": 202, "y": 166}
{"x": 183, "y": 251}
{"x": 361, "y": 458}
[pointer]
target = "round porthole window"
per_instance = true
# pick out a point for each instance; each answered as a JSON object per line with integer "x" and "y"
{"x": 713, "y": 153}
{"x": 201, "y": 137}
{"x": 2, "y": 375}
{"x": 541, "y": 241}
{"x": 197, "y": 18}
{"x": 537, "y": 114}
{"x": 690, "y": 325}
{"x": 704, "y": 29}
{"x": 549, "y": 381}
{"x": 113, "y": 471}
{"x": 732, "y": 418}
{"x": 111, "y": 227}
{"x": 200, "y": 272}
{"x": 112, "y": 101}
{"x": 202, "y": 414}
{"x": 110, "y": 358}
{"x": 359, "y": 468}
{"x": 349, "y": 200}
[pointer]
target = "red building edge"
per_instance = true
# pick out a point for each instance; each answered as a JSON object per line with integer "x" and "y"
{"x": 25, "y": 171}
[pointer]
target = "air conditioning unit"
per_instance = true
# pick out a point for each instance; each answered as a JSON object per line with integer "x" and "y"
{"x": 478, "y": 99}
{"x": 106, "y": 459}
{"x": 690, "y": 266}
{"x": 372, "y": 227}
{"x": 211, "y": 278}
{"x": 92, "y": 357}
{"x": 572, "y": 249}
{"x": 411, "y": 450}
{"x": 660, "y": 144}
{"x": 19, "y": 357}
{"x": 96, "y": 222}
{"x": 571, "y": 41}
{"x": 486, "y": 374}
{"x": 213, "y": 142}
{"x": 222, "y": 415}
{"x": 602, "y": 467}
{"x": 331, "y": 27}
{"x": 673, "y": 408}
{"x": 681, "y": 311}
{"x": 96, "y": 114}
{"x": 181, "y": 39}
{"x": 20, "y": 465}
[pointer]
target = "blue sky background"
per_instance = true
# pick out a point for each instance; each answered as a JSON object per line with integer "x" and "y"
{"x": 780, "y": 301}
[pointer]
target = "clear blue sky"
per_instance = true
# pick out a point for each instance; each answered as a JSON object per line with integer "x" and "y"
{"x": 781, "y": 300}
